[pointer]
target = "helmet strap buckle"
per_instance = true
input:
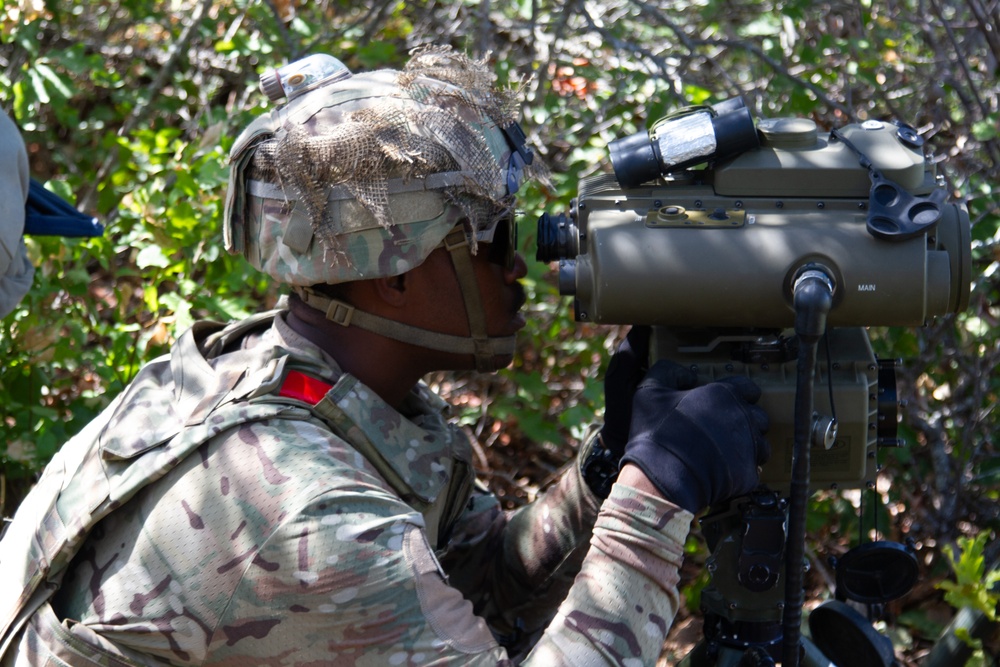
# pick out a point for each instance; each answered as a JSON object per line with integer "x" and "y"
{"x": 455, "y": 239}
{"x": 340, "y": 313}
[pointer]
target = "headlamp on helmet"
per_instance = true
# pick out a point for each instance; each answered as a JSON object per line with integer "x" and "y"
{"x": 301, "y": 76}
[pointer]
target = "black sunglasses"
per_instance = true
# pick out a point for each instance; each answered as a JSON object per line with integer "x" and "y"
{"x": 503, "y": 248}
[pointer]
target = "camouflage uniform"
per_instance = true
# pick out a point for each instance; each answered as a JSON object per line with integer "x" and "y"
{"x": 277, "y": 541}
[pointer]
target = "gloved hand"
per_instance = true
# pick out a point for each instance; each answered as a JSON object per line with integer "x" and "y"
{"x": 626, "y": 369}
{"x": 697, "y": 446}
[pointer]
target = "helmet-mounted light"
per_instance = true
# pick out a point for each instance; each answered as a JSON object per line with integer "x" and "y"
{"x": 301, "y": 76}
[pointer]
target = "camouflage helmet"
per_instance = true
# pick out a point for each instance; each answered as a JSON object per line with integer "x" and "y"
{"x": 362, "y": 175}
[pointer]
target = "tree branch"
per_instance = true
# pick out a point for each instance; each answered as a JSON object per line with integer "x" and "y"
{"x": 178, "y": 49}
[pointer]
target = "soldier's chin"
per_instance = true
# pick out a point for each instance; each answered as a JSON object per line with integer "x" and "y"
{"x": 497, "y": 362}
{"x": 502, "y": 361}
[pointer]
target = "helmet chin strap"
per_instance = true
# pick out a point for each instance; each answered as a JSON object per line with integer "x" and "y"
{"x": 484, "y": 348}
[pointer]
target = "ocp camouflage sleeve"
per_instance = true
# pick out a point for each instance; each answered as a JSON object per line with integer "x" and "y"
{"x": 624, "y": 600}
{"x": 517, "y": 567}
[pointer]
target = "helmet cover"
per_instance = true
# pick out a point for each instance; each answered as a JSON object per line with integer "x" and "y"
{"x": 364, "y": 176}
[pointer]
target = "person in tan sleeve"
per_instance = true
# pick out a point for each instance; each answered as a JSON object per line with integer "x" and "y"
{"x": 16, "y": 271}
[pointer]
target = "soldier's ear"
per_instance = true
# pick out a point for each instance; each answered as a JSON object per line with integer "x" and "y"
{"x": 392, "y": 289}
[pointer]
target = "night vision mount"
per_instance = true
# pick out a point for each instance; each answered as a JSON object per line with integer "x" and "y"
{"x": 765, "y": 249}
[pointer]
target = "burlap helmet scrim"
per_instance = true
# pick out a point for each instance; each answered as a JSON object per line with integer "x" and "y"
{"x": 365, "y": 176}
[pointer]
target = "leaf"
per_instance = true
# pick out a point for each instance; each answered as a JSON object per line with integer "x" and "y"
{"x": 986, "y": 130}
{"x": 60, "y": 84}
{"x": 152, "y": 255}
{"x": 181, "y": 309}
{"x": 38, "y": 86}
{"x": 973, "y": 586}
{"x": 764, "y": 25}
{"x": 988, "y": 473}
{"x": 968, "y": 639}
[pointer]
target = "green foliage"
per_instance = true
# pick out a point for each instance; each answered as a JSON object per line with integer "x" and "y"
{"x": 975, "y": 585}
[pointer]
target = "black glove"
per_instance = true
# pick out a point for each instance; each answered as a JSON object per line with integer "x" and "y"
{"x": 625, "y": 370}
{"x": 698, "y": 446}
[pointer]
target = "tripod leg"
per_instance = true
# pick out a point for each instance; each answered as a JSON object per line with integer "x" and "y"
{"x": 698, "y": 657}
{"x": 726, "y": 656}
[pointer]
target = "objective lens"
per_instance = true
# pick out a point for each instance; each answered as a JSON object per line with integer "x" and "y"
{"x": 683, "y": 140}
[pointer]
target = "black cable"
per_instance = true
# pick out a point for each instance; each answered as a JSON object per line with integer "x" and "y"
{"x": 812, "y": 299}
{"x": 829, "y": 376}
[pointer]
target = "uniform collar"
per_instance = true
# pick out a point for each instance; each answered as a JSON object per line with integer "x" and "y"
{"x": 416, "y": 442}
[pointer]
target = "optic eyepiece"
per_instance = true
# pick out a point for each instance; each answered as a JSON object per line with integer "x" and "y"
{"x": 558, "y": 238}
{"x": 684, "y": 139}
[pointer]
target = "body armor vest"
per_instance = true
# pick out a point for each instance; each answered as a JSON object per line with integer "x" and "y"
{"x": 175, "y": 404}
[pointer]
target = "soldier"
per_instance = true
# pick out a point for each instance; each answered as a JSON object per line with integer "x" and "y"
{"x": 285, "y": 491}
{"x": 16, "y": 271}
{"x": 28, "y": 208}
